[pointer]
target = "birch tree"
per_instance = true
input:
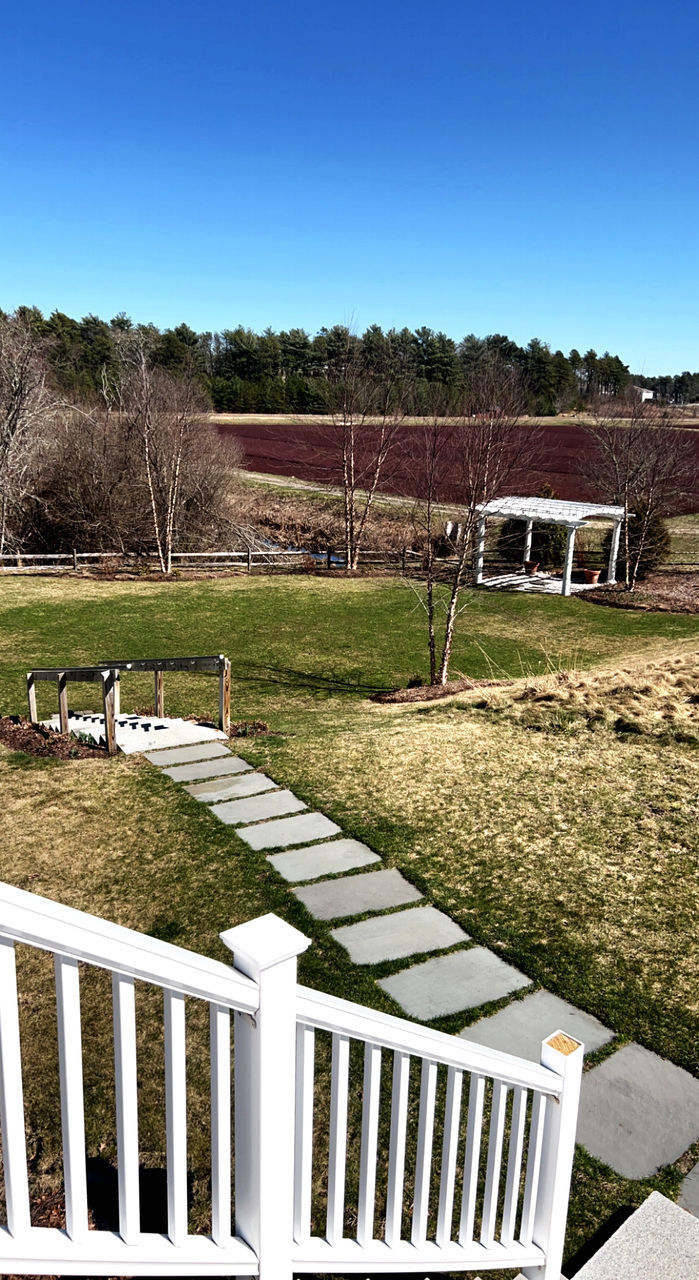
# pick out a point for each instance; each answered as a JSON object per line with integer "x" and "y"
{"x": 163, "y": 411}
{"x": 368, "y": 408}
{"x": 25, "y": 409}
{"x": 472, "y": 453}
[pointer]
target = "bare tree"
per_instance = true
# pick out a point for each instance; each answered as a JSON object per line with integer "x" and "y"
{"x": 163, "y": 411}
{"x": 25, "y": 408}
{"x": 643, "y": 462}
{"x": 475, "y": 450}
{"x": 367, "y": 412}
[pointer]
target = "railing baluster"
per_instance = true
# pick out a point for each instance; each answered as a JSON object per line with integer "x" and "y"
{"x": 70, "y": 1064}
{"x": 176, "y": 1116}
{"x": 126, "y": 1087}
{"x": 514, "y": 1165}
{"x": 423, "y": 1161}
{"x": 368, "y": 1149}
{"x": 531, "y": 1182}
{"x": 14, "y": 1147}
{"x": 303, "y": 1151}
{"x": 494, "y": 1162}
{"x": 220, "y": 1036}
{"x": 396, "y": 1155}
{"x": 337, "y": 1158}
{"x": 450, "y": 1144}
{"x": 476, "y": 1096}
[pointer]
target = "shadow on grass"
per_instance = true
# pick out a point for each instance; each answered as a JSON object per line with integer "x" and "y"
{"x": 293, "y": 678}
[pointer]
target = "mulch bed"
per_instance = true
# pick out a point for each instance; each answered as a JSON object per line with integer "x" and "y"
{"x": 432, "y": 692}
{"x": 34, "y": 740}
{"x": 659, "y": 592}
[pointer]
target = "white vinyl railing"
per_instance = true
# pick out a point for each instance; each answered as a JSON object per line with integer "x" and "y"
{"x": 357, "y": 1142}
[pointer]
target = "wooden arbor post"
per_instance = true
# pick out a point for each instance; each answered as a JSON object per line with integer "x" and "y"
{"x": 159, "y": 702}
{"x": 224, "y": 694}
{"x": 110, "y": 687}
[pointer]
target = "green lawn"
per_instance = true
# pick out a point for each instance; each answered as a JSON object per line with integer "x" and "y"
{"x": 559, "y": 837}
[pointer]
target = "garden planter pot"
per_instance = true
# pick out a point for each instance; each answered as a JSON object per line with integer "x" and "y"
{"x": 530, "y": 567}
{"x": 592, "y": 575}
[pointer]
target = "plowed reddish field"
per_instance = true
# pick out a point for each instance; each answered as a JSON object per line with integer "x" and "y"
{"x": 304, "y": 449}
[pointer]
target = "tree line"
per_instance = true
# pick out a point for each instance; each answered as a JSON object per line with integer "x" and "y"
{"x": 126, "y": 462}
{"x": 293, "y": 371}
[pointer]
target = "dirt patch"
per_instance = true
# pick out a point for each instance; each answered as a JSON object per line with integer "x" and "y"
{"x": 432, "y": 692}
{"x": 34, "y": 740}
{"x": 663, "y": 592}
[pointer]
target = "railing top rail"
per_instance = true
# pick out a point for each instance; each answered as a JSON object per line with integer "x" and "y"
{"x": 209, "y": 663}
{"x": 329, "y": 1013}
{"x": 86, "y": 675}
{"x": 26, "y": 917}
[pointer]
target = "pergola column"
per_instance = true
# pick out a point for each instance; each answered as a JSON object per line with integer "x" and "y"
{"x": 568, "y": 562}
{"x": 528, "y": 540}
{"x": 480, "y": 548}
{"x": 614, "y": 551}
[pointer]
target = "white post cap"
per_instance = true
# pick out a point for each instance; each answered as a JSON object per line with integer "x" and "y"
{"x": 260, "y": 944}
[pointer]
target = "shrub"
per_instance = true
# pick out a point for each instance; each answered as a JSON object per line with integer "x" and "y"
{"x": 649, "y": 543}
{"x": 548, "y": 543}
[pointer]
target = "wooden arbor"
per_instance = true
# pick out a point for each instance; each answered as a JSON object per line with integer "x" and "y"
{"x": 107, "y": 675}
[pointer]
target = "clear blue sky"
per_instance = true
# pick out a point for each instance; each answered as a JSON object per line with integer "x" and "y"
{"x": 517, "y": 168}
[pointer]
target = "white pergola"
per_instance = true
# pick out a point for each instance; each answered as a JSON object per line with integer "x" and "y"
{"x": 550, "y": 511}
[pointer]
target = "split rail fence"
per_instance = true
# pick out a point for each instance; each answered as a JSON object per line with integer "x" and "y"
{"x": 418, "y": 1152}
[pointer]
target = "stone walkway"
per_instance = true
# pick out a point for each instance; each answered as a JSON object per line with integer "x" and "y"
{"x": 638, "y": 1112}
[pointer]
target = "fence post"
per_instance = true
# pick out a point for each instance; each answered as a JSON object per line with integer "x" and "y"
{"x": 265, "y": 1083}
{"x": 249, "y": 559}
{"x": 224, "y": 695}
{"x": 402, "y": 558}
{"x": 330, "y": 558}
{"x": 75, "y": 559}
{"x": 564, "y": 1055}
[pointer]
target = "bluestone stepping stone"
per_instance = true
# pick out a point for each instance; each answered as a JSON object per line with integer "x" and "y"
{"x": 658, "y": 1242}
{"x": 520, "y": 1028}
{"x": 353, "y": 895}
{"x": 186, "y": 755}
{"x": 638, "y": 1112}
{"x": 450, "y": 983}
{"x": 322, "y": 860}
{"x": 257, "y": 808}
{"x": 403, "y": 934}
{"x": 689, "y": 1192}
{"x": 287, "y": 831}
{"x": 249, "y": 784}
{"x": 207, "y": 769}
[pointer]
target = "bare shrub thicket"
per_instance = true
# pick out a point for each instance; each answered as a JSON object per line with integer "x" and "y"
{"x": 138, "y": 469}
